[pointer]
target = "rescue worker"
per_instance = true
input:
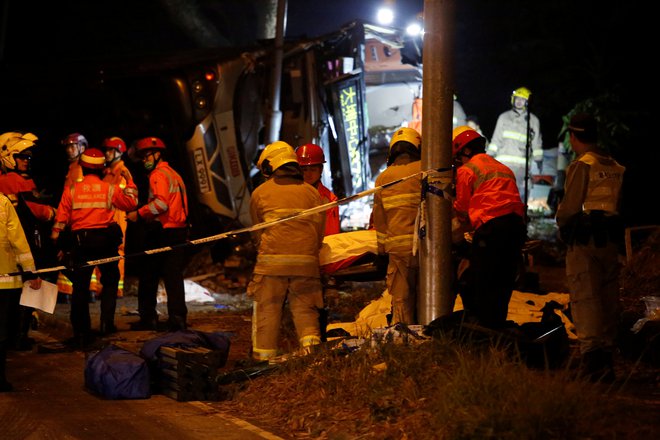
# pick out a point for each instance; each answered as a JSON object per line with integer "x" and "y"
{"x": 88, "y": 209}
{"x": 35, "y": 215}
{"x": 509, "y": 142}
{"x": 74, "y": 145}
{"x": 287, "y": 267}
{"x": 311, "y": 160}
{"x": 488, "y": 203}
{"x": 14, "y": 253}
{"x": 115, "y": 169}
{"x": 394, "y": 213}
{"x": 166, "y": 218}
{"x": 589, "y": 223}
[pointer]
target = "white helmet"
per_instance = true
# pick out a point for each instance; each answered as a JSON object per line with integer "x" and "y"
{"x": 12, "y": 143}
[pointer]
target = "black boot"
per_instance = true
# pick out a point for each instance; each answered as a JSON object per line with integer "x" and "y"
{"x": 107, "y": 328}
{"x": 176, "y": 323}
{"x": 22, "y": 341}
{"x": 4, "y": 385}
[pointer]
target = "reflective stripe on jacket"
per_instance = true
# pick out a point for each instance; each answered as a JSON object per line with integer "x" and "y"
{"x": 167, "y": 202}
{"x": 486, "y": 189}
{"x": 510, "y": 138}
{"x": 91, "y": 204}
{"x": 605, "y": 181}
{"x": 395, "y": 208}
{"x": 291, "y": 247}
{"x": 14, "y": 247}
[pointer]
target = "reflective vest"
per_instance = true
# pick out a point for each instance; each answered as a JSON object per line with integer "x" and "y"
{"x": 510, "y": 138}
{"x": 91, "y": 204}
{"x": 332, "y": 224}
{"x": 395, "y": 208}
{"x": 486, "y": 189}
{"x": 292, "y": 247}
{"x": 605, "y": 181}
{"x": 14, "y": 247}
{"x": 167, "y": 202}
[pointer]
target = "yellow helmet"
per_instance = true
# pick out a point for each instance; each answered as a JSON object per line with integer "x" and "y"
{"x": 274, "y": 156}
{"x": 12, "y": 143}
{"x": 408, "y": 135}
{"x": 521, "y": 92}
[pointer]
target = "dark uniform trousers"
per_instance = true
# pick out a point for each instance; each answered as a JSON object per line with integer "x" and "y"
{"x": 496, "y": 254}
{"x": 168, "y": 266}
{"x": 94, "y": 244}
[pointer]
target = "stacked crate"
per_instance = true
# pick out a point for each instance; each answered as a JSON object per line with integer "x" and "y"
{"x": 188, "y": 373}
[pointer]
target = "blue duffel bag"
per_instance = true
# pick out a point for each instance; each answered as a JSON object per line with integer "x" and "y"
{"x": 115, "y": 373}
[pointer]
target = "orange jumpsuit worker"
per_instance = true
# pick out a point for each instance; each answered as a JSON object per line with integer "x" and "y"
{"x": 88, "y": 208}
{"x": 113, "y": 148}
{"x": 74, "y": 145}
{"x": 287, "y": 267}
{"x": 488, "y": 201}
{"x": 166, "y": 217}
{"x": 311, "y": 160}
{"x": 394, "y": 213}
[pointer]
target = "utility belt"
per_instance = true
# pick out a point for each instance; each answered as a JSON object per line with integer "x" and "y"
{"x": 111, "y": 236}
{"x": 596, "y": 225}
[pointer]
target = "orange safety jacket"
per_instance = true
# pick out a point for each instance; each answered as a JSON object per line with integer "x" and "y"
{"x": 331, "y": 215}
{"x": 74, "y": 174}
{"x": 12, "y": 183}
{"x": 91, "y": 203}
{"x": 486, "y": 189}
{"x": 167, "y": 201}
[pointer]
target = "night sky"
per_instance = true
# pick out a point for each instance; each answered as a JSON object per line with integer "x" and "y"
{"x": 565, "y": 51}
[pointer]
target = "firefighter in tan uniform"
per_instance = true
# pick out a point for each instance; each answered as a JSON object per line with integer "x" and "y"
{"x": 287, "y": 267}
{"x": 74, "y": 145}
{"x": 394, "y": 213}
{"x": 589, "y": 223}
{"x": 88, "y": 209}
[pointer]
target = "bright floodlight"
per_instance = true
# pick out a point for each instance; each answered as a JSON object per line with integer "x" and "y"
{"x": 385, "y": 16}
{"x": 414, "y": 29}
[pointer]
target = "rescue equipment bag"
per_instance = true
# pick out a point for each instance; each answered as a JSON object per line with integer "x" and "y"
{"x": 114, "y": 373}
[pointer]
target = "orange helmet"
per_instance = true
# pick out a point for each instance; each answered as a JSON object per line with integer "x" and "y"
{"x": 310, "y": 154}
{"x": 463, "y": 135}
{"x": 115, "y": 142}
{"x": 92, "y": 158}
{"x": 149, "y": 143}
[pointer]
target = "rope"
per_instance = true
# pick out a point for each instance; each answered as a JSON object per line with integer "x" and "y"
{"x": 217, "y": 237}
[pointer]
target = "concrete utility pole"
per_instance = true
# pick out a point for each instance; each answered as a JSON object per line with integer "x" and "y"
{"x": 436, "y": 297}
{"x": 275, "y": 123}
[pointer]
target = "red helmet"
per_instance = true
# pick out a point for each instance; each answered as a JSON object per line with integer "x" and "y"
{"x": 310, "y": 154}
{"x": 461, "y": 136}
{"x": 149, "y": 143}
{"x": 75, "y": 138}
{"x": 114, "y": 142}
{"x": 92, "y": 158}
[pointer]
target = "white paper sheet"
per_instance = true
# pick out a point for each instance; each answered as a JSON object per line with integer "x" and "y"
{"x": 44, "y": 298}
